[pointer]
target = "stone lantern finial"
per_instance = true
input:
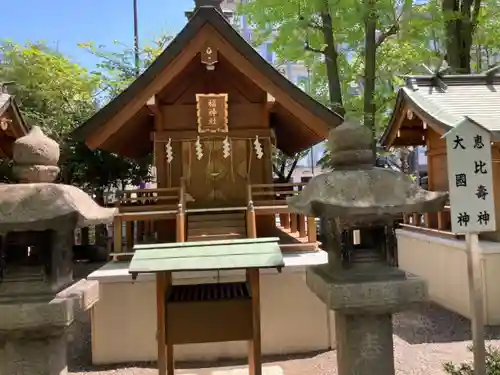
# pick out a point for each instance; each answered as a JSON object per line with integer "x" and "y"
{"x": 351, "y": 146}
{"x": 35, "y": 157}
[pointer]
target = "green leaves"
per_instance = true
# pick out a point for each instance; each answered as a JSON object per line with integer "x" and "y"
{"x": 52, "y": 91}
{"x": 58, "y": 95}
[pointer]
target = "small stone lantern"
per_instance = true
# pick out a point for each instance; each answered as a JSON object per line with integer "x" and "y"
{"x": 360, "y": 282}
{"x": 38, "y": 299}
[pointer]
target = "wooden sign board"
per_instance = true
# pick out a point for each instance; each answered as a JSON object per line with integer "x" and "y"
{"x": 212, "y": 110}
{"x": 470, "y": 176}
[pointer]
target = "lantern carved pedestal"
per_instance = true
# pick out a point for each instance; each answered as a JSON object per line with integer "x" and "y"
{"x": 38, "y": 300}
{"x": 360, "y": 282}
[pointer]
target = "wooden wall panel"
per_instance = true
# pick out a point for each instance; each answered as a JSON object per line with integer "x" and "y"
{"x": 183, "y": 117}
{"x": 436, "y": 161}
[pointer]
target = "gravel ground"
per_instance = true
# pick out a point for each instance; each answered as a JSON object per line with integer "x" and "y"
{"x": 424, "y": 338}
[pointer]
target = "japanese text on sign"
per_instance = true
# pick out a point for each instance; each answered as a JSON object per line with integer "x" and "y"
{"x": 470, "y": 178}
{"x": 212, "y": 112}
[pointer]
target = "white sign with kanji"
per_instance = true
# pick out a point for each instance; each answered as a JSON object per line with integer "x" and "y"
{"x": 470, "y": 176}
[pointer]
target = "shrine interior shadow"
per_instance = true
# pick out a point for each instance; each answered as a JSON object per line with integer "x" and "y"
{"x": 430, "y": 323}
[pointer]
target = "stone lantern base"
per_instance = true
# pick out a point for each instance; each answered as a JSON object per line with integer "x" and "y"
{"x": 363, "y": 315}
{"x": 33, "y": 332}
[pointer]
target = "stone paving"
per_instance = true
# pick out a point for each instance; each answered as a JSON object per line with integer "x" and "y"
{"x": 424, "y": 338}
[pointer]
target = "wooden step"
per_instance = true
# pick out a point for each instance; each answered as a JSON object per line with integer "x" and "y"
{"x": 218, "y": 223}
{"x": 216, "y": 226}
{"x": 215, "y": 237}
{"x": 216, "y": 230}
{"x": 216, "y": 216}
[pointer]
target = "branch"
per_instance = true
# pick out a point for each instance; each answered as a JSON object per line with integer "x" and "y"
{"x": 315, "y": 26}
{"x": 292, "y": 168}
{"x": 393, "y": 30}
{"x": 308, "y": 47}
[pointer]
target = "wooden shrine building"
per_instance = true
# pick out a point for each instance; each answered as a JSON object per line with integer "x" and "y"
{"x": 211, "y": 110}
{"x": 12, "y": 125}
{"x": 425, "y": 110}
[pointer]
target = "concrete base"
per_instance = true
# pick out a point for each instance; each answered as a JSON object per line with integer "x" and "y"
{"x": 363, "y": 314}
{"x": 33, "y": 333}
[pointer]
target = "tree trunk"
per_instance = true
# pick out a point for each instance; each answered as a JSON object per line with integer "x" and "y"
{"x": 332, "y": 67}
{"x": 370, "y": 67}
{"x": 460, "y": 21}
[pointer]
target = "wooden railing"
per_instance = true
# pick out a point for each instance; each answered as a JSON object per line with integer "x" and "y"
{"x": 435, "y": 223}
{"x": 270, "y": 199}
{"x": 143, "y": 207}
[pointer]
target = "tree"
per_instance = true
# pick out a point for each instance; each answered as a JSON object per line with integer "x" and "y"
{"x": 117, "y": 66}
{"x": 328, "y": 36}
{"x": 58, "y": 95}
{"x": 52, "y": 92}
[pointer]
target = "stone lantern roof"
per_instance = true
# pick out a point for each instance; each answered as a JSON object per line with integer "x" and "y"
{"x": 37, "y": 203}
{"x": 356, "y": 190}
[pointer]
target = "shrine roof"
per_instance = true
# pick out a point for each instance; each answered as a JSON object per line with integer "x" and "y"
{"x": 443, "y": 101}
{"x": 145, "y": 83}
{"x": 207, "y": 255}
{"x": 16, "y": 126}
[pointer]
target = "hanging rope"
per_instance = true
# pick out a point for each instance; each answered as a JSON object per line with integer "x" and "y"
{"x": 250, "y": 158}
{"x": 231, "y": 161}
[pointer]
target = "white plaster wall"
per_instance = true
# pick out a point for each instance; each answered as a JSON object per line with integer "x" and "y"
{"x": 293, "y": 319}
{"x": 442, "y": 263}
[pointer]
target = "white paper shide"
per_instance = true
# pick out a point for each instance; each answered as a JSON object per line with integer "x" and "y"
{"x": 470, "y": 176}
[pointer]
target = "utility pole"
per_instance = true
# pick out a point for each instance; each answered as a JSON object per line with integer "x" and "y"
{"x": 136, "y": 40}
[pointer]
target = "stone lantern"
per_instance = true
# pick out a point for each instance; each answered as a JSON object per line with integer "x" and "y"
{"x": 360, "y": 282}
{"x": 38, "y": 299}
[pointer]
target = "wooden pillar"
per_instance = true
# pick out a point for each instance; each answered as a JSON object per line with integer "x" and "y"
{"x": 129, "y": 241}
{"x": 311, "y": 230}
{"x": 302, "y": 225}
{"x": 293, "y": 223}
{"x": 254, "y": 345}
{"x": 180, "y": 225}
{"x": 416, "y": 220}
{"x": 140, "y": 231}
{"x": 285, "y": 221}
{"x": 117, "y": 234}
{"x": 165, "y": 350}
{"x": 251, "y": 221}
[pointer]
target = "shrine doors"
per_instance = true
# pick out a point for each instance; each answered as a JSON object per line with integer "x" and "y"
{"x": 212, "y": 179}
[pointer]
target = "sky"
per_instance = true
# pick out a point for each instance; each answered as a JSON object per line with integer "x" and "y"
{"x": 65, "y": 23}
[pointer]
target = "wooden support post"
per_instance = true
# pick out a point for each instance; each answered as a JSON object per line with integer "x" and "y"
{"x": 117, "y": 235}
{"x": 140, "y": 231}
{"x": 416, "y": 220}
{"x": 302, "y": 225}
{"x": 180, "y": 225}
{"x": 129, "y": 235}
{"x": 251, "y": 221}
{"x": 285, "y": 221}
{"x": 441, "y": 221}
{"x": 311, "y": 230}
{"x": 293, "y": 223}
{"x": 168, "y": 345}
{"x": 254, "y": 345}
{"x": 165, "y": 351}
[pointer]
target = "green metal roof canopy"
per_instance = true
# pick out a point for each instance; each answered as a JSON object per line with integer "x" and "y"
{"x": 207, "y": 255}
